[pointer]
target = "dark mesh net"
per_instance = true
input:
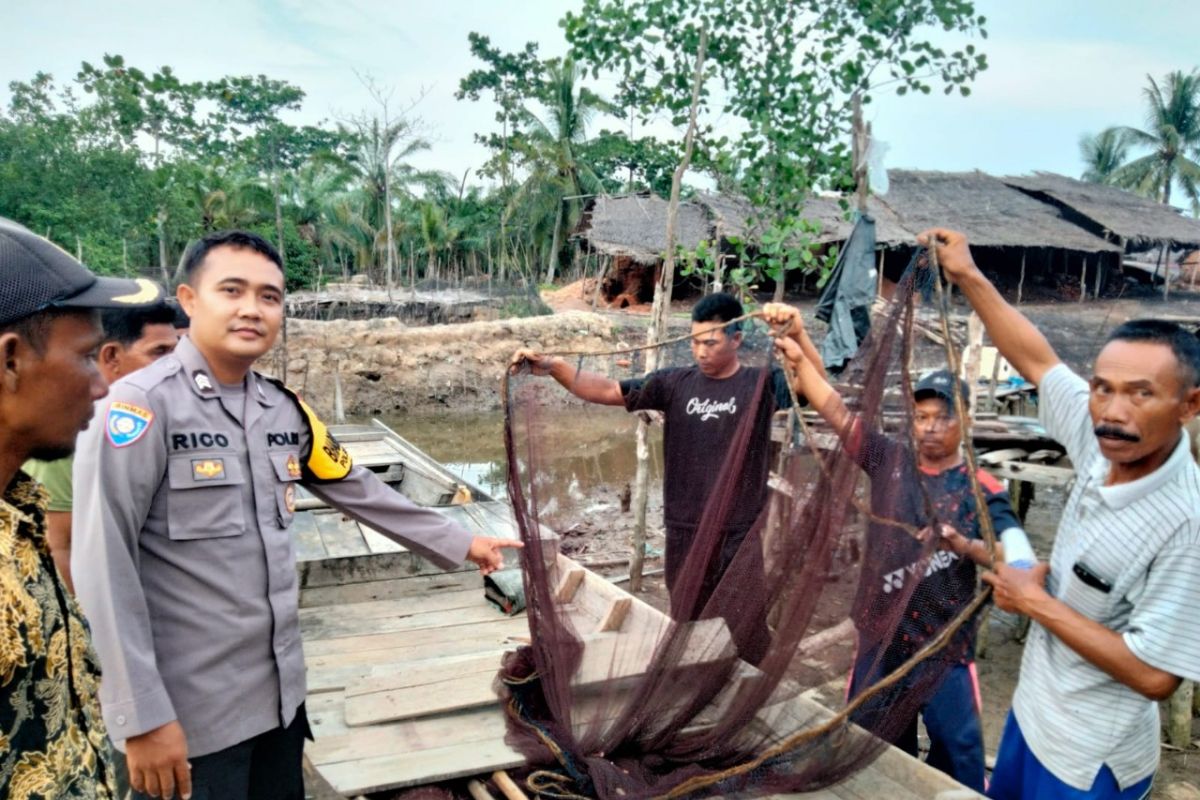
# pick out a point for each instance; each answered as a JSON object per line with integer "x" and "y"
{"x": 803, "y": 560}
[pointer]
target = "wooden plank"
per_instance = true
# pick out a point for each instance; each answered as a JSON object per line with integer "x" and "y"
{"x": 399, "y": 770}
{"x": 916, "y": 775}
{"x": 996, "y": 456}
{"x": 378, "y": 543}
{"x": 328, "y": 624}
{"x": 407, "y": 606}
{"x": 617, "y": 612}
{"x": 372, "y": 567}
{"x": 1033, "y": 473}
{"x": 340, "y": 535}
{"x": 433, "y": 697}
{"x": 867, "y": 784}
{"x": 608, "y": 660}
{"x": 335, "y": 744}
{"x": 496, "y": 631}
{"x": 391, "y": 589}
{"x": 333, "y": 674}
{"x": 428, "y": 671}
{"x": 569, "y": 584}
{"x": 309, "y": 546}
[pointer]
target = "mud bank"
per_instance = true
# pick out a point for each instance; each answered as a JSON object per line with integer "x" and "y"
{"x": 386, "y": 368}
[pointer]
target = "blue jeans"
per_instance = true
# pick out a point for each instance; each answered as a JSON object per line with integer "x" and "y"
{"x": 951, "y": 716}
{"x": 1020, "y": 776}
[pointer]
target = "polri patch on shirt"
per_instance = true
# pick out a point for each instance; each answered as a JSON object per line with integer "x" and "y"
{"x": 208, "y": 469}
{"x": 293, "y": 466}
{"x": 126, "y": 423}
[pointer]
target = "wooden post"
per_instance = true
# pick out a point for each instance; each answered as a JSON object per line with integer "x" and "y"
{"x": 1179, "y": 715}
{"x": 339, "y": 411}
{"x": 1021, "y": 283}
{"x": 879, "y": 273}
{"x": 1166, "y": 270}
{"x": 658, "y": 324}
{"x": 1083, "y": 278}
{"x": 972, "y": 357}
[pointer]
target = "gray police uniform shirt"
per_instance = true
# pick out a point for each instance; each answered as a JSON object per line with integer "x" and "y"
{"x": 186, "y": 569}
{"x": 1142, "y": 541}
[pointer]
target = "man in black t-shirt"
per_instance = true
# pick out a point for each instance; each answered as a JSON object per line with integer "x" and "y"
{"x": 703, "y": 407}
{"x": 897, "y": 568}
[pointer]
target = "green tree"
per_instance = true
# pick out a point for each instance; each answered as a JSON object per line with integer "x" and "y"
{"x": 379, "y": 165}
{"x": 631, "y": 165}
{"x": 786, "y": 70}
{"x": 1103, "y": 154}
{"x": 273, "y": 148}
{"x": 550, "y": 200}
{"x": 1173, "y": 136}
{"x": 511, "y": 79}
{"x": 161, "y": 107}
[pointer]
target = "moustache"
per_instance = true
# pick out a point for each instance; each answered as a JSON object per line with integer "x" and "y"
{"x": 1113, "y": 432}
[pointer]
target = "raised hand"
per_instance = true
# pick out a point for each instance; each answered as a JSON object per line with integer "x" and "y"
{"x": 953, "y": 252}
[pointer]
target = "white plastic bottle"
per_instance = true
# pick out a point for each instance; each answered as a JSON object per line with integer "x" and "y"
{"x": 1018, "y": 552}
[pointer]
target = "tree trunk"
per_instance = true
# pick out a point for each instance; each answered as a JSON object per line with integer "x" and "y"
{"x": 161, "y": 224}
{"x": 554, "y": 245}
{"x": 658, "y": 325}
{"x": 279, "y": 220}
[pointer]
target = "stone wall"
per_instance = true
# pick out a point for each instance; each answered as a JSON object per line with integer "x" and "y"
{"x": 385, "y": 367}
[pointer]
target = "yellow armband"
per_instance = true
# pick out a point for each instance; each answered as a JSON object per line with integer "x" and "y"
{"x": 326, "y": 460}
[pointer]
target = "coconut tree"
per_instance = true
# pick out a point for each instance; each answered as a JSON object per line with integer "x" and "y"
{"x": 1103, "y": 154}
{"x": 548, "y": 203}
{"x": 377, "y": 164}
{"x": 1173, "y": 136}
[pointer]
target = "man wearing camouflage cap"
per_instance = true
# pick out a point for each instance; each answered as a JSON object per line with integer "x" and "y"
{"x": 52, "y": 739}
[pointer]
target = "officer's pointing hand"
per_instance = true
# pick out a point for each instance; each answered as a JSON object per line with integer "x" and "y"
{"x": 487, "y": 552}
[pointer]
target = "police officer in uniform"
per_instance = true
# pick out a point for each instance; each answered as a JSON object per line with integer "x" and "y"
{"x": 185, "y": 488}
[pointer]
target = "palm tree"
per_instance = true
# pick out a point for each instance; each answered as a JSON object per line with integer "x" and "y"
{"x": 1173, "y": 135}
{"x": 1103, "y": 154}
{"x": 378, "y": 166}
{"x": 549, "y": 202}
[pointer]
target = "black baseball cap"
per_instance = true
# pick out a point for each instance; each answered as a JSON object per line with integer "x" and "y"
{"x": 36, "y": 274}
{"x": 941, "y": 384}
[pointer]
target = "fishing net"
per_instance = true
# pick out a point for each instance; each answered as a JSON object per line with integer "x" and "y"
{"x": 797, "y": 567}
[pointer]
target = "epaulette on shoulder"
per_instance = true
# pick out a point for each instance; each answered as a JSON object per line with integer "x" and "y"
{"x": 326, "y": 460}
{"x": 154, "y": 374}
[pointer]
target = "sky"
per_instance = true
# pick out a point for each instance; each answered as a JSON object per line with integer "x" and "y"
{"x": 1057, "y": 68}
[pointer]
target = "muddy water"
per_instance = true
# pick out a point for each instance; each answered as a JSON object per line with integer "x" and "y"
{"x": 584, "y": 452}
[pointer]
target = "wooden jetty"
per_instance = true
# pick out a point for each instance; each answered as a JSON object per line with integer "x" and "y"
{"x": 401, "y": 656}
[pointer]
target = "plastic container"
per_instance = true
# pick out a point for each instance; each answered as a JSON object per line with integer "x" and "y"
{"x": 1018, "y": 552}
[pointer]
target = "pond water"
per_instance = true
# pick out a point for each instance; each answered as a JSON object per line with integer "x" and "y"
{"x": 585, "y": 450}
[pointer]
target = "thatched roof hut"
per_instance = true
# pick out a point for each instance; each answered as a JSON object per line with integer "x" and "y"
{"x": 1139, "y": 222}
{"x": 990, "y": 212}
{"x": 635, "y": 227}
{"x": 732, "y": 216}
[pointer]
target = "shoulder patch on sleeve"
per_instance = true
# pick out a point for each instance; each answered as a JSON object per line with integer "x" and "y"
{"x": 326, "y": 460}
{"x": 989, "y": 481}
{"x": 126, "y": 423}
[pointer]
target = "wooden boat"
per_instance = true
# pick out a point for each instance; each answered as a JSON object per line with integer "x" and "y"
{"x": 401, "y": 656}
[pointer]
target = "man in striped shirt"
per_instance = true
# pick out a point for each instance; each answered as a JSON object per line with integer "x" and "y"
{"x": 1114, "y": 610}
